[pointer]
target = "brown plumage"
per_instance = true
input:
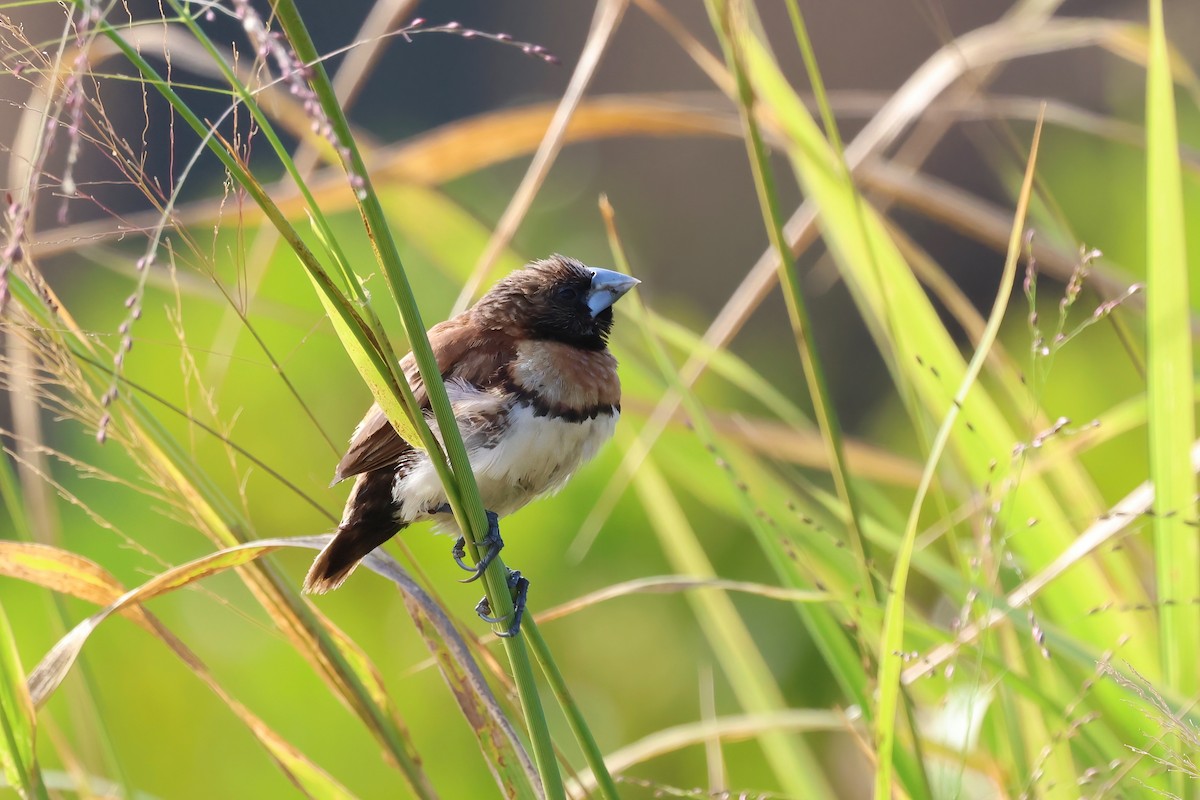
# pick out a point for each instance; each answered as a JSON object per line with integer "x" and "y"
{"x": 534, "y": 391}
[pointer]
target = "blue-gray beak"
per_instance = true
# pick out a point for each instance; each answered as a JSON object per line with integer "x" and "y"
{"x": 607, "y": 288}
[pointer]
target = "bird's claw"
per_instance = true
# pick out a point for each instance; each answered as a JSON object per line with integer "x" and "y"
{"x": 491, "y": 541}
{"x": 518, "y": 585}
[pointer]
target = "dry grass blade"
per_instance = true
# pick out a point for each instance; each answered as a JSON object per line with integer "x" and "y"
{"x": 441, "y": 155}
{"x": 478, "y": 703}
{"x": 728, "y": 729}
{"x": 66, "y": 573}
{"x": 1104, "y": 530}
{"x": 670, "y": 584}
{"x": 480, "y": 708}
{"x": 783, "y": 441}
{"x": 18, "y": 762}
{"x": 984, "y": 222}
{"x": 1027, "y": 31}
{"x": 604, "y": 24}
{"x": 53, "y": 668}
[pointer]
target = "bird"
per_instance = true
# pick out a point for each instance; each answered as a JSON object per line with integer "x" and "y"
{"x": 534, "y": 390}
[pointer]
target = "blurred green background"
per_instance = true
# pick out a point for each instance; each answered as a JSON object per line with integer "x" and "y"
{"x": 690, "y": 222}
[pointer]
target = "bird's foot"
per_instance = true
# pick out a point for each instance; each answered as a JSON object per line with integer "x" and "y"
{"x": 518, "y": 586}
{"x": 491, "y": 541}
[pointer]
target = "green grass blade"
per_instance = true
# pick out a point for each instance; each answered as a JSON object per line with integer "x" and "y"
{"x": 909, "y": 333}
{"x": 605, "y": 785}
{"x": 1169, "y": 377}
{"x": 730, "y": 29}
{"x": 892, "y": 644}
{"x": 67, "y": 572}
{"x": 457, "y": 477}
{"x": 177, "y": 472}
{"x": 17, "y": 720}
{"x": 795, "y": 766}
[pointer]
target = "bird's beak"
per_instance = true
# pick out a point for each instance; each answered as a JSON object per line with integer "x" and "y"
{"x": 607, "y": 288}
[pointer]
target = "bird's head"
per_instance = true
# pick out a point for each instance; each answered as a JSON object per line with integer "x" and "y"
{"x": 555, "y": 298}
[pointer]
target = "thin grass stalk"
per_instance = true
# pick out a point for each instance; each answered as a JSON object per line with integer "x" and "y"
{"x": 892, "y": 642}
{"x": 460, "y": 485}
{"x": 386, "y": 362}
{"x": 793, "y": 763}
{"x": 795, "y": 766}
{"x": 86, "y": 713}
{"x": 814, "y": 372}
{"x": 1169, "y": 377}
{"x": 31, "y": 501}
{"x": 316, "y": 215}
{"x": 730, "y": 32}
{"x": 924, "y": 341}
{"x": 907, "y": 393}
{"x": 575, "y": 719}
{"x": 18, "y": 720}
{"x": 267, "y": 585}
{"x": 369, "y": 356}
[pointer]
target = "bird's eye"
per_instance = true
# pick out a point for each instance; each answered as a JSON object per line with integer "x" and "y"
{"x": 566, "y": 294}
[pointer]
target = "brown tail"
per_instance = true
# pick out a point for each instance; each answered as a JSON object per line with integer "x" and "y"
{"x": 349, "y": 546}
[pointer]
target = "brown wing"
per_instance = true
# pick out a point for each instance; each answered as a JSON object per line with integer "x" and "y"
{"x": 463, "y": 352}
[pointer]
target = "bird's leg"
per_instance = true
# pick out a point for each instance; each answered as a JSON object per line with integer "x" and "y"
{"x": 519, "y": 587}
{"x": 491, "y": 541}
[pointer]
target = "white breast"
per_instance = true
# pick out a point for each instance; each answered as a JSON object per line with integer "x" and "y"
{"x": 534, "y": 456}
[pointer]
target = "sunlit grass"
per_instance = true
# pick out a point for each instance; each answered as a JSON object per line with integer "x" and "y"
{"x": 963, "y": 602}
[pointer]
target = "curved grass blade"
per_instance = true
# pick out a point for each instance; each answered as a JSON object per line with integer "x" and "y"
{"x": 879, "y": 293}
{"x": 17, "y": 721}
{"x": 671, "y": 584}
{"x": 1170, "y": 373}
{"x": 299, "y": 621}
{"x": 892, "y": 640}
{"x": 479, "y": 706}
{"x": 487, "y": 720}
{"x": 728, "y": 25}
{"x": 456, "y": 476}
{"x": 726, "y": 729}
{"x": 1170, "y": 366}
{"x": 66, "y": 573}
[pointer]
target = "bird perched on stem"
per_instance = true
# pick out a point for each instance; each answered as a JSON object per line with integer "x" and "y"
{"x": 535, "y": 392}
